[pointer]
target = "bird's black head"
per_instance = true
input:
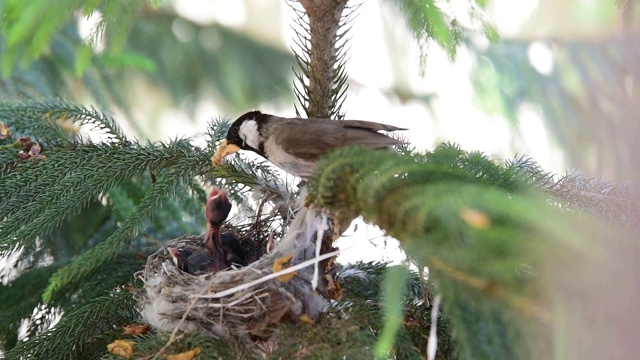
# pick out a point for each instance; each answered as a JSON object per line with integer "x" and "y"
{"x": 245, "y": 132}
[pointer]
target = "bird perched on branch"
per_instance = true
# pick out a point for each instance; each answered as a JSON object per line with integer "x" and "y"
{"x": 295, "y": 144}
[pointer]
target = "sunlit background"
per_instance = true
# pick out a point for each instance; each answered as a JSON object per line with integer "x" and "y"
{"x": 477, "y": 100}
{"x": 558, "y": 87}
{"x": 387, "y": 84}
{"x": 554, "y": 88}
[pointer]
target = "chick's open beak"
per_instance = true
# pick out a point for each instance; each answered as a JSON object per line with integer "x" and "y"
{"x": 223, "y": 150}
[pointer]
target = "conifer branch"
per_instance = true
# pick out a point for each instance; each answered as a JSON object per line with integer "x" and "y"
{"x": 82, "y": 333}
{"x": 459, "y": 214}
{"x": 27, "y": 288}
{"x": 610, "y": 202}
{"x": 146, "y": 346}
{"x": 428, "y": 23}
{"x": 24, "y": 294}
{"x": 180, "y": 174}
{"x": 463, "y": 204}
{"x": 448, "y": 207}
{"x": 322, "y": 83}
{"x": 353, "y": 326}
{"x": 216, "y": 130}
{"x": 516, "y": 301}
{"x": 43, "y": 119}
{"x": 362, "y": 282}
{"x": 72, "y": 177}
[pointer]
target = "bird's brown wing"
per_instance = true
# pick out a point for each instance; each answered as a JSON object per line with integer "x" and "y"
{"x": 369, "y": 125}
{"x": 308, "y": 139}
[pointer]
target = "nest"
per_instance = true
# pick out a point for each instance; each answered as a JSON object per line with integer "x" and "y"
{"x": 245, "y": 303}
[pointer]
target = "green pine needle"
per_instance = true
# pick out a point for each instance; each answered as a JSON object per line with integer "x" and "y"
{"x": 83, "y": 332}
{"x": 187, "y": 166}
{"x": 394, "y": 292}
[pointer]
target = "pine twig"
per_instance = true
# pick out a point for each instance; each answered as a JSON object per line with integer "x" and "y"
{"x": 516, "y": 301}
{"x": 323, "y": 67}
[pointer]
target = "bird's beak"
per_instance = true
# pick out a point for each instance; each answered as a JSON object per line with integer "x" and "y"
{"x": 223, "y": 150}
{"x": 175, "y": 254}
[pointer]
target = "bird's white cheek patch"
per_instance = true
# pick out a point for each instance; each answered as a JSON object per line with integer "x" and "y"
{"x": 249, "y": 133}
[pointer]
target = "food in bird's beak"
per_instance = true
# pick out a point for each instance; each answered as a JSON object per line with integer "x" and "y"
{"x": 224, "y": 149}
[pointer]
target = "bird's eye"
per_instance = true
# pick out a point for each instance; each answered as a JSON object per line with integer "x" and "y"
{"x": 234, "y": 131}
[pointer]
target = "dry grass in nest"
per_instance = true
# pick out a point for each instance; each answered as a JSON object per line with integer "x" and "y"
{"x": 244, "y": 303}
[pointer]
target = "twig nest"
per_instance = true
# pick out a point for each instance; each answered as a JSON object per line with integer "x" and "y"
{"x": 238, "y": 303}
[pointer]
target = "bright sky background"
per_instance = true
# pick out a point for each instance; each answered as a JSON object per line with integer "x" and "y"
{"x": 378, "y": 30}
{"x": 454, "y": 116}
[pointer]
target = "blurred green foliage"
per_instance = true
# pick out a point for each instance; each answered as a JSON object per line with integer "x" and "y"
{"x": 30, "y": 26}
{"x": 584, "y": 97}
{"x": 139, "y": 43}
{"x": 210, "y": 60}
{"x": 73, "y": 220}
{"x": 428, "y": 22}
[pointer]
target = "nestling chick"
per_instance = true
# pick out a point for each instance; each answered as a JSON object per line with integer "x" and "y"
{"x": 211, "y": 256}
{"x": 217, "y": 211}
{"x": 234, "y": 252}
{"x": 295, "y": 145}
{"x": 193, "y": 261}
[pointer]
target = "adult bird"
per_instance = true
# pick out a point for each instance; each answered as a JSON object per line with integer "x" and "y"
{"x": 294, "y": 144}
